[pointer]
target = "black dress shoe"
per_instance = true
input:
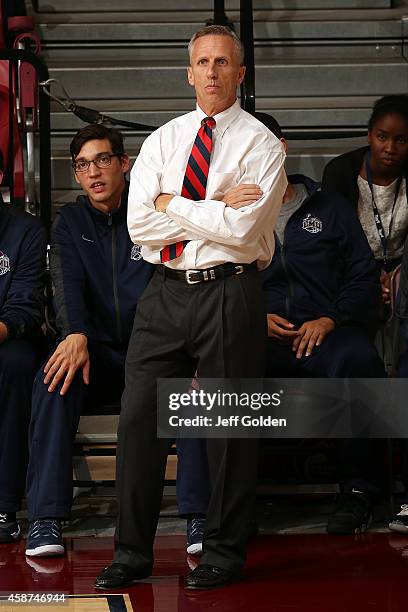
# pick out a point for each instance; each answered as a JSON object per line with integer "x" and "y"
{"x": 206, "y": 576}
{"x": 119, "y": 575}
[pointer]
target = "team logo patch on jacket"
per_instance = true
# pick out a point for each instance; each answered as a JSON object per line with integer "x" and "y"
{"x": 135, "y": 253}
{"x": 4, "y": 264}
{"x": 312, "y": 224}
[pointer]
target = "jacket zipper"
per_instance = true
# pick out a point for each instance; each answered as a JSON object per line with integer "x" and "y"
{"x": 283, "y": 259}
{"x": 285, "y": 269}
{"x": 115, "y": 280}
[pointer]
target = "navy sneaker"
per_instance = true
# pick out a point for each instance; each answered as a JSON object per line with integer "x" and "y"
{"x": 9, "y": 528}
{"x": 195, "y": 534}
{"x": 400, "y": 522}
{"x": 44, "y": 538}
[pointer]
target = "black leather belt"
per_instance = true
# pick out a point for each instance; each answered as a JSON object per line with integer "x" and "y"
{"x": 193, "y": 277}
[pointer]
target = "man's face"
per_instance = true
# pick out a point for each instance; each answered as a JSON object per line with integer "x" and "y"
{"x": 215, "y": 73}
{"x": 103, "y": 186}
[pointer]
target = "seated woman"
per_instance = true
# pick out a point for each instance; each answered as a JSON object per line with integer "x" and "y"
{"x": 373, "y": 179}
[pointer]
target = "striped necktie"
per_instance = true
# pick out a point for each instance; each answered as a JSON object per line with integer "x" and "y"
{"x": 195, "y": 179}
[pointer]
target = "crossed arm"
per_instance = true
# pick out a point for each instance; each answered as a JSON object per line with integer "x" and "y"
{"x": 236, "y": 197}
{"x": 158, "y": 216}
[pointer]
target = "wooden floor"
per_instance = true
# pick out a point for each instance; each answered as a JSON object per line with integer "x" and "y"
{"x": 285, "y": 573}
{"x": 32, "y": 602}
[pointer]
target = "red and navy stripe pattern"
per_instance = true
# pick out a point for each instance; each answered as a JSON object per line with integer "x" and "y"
{"x": 195, "y": 178}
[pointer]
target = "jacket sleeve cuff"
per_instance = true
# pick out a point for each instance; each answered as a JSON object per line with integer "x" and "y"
{"x": 66, "y": 333}
{"x": 335, "y": 316}
{"x": 14, "y": 328}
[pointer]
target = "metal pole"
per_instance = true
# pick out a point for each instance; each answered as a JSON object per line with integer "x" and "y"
{"x": 10, "y": 161}
{"x": 220, "y": 18}
{"x": 45, "y": 154}
{"x": 247, "y": 37}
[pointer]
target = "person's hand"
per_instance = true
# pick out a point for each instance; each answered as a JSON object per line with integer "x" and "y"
{"x": 385, "y": 280}
{"x": 70, "y": 356}
{"x": 280, "y": 329}
{"x": 242, "y": 195}
{"x": 311, "y": 334}
{"x": 162, "y": 201}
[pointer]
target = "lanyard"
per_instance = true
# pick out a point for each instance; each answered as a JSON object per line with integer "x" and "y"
{"x": 377, "y": 216}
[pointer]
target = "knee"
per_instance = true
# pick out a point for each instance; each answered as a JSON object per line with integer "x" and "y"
{"x": 18, "y": 361}
{"x": 139, "y": 403}
{"x": 137, "y": 414}
{"x": 131, "y": 421}
{"x": 360, "y": 359}
{"x": 402, "y": 367}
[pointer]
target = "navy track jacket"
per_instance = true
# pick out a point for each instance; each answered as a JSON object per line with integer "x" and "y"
{"x": 325, "y": 267}
{"x": 97, "y": 272}
{"x": 22, "y": 269}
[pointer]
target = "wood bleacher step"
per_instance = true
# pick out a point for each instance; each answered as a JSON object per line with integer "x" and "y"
{"x": 95, "y": 450}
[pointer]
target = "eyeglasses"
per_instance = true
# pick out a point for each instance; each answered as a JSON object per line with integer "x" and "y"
{"x": 102, "y": 161}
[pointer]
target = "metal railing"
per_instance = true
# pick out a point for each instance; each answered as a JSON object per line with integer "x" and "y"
{"x": 248, "y": 99}
{"x": 247, "y": 38}
{"x": 15, "y": 58}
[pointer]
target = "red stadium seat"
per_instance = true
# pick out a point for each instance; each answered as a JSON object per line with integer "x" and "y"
{"x": 25, "y": 87}
{"x": 17, "y": 165}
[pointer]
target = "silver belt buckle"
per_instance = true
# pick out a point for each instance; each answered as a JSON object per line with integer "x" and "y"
{"x": 188, "y": 279}
{"x": 239, "y": 269}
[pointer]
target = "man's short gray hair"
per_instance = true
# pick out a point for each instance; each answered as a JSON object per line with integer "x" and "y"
{"x": 219, "y": 30}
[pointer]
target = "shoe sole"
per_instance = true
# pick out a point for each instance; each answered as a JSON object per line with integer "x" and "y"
{"x": 398, "y": 527}
{"x": 195, "y": 549}
{"x": 48, "y": 550}
{"x": 215, "y": 586}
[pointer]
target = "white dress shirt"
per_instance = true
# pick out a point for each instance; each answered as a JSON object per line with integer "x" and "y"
{"x": 244, "y": 151}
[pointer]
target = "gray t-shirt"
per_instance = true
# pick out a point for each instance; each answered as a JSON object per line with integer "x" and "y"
{"x": 384, "y": 198}
{"x": 288, "y": 208}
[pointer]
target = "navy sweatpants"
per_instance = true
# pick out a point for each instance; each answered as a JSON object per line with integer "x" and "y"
{"x": 193, "y": 478}
{"x": 19, "y": 360}
{"x": 402, "y": 367}
{"x": 402, "y": 372}
{"x": 346, "y": 352}
{"x": 53, "y": 426}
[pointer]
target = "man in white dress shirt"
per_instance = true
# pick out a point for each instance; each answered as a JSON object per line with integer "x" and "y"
{"x": 203, "y": 310}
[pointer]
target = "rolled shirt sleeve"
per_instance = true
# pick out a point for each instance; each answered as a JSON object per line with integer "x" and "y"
{"x": 146, "y": 225}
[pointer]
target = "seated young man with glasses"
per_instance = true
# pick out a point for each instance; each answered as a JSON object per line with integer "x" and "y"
{"x": 98, "y": 277}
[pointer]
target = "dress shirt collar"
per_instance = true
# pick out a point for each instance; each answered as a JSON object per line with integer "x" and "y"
{"x": 223, "y": 120}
